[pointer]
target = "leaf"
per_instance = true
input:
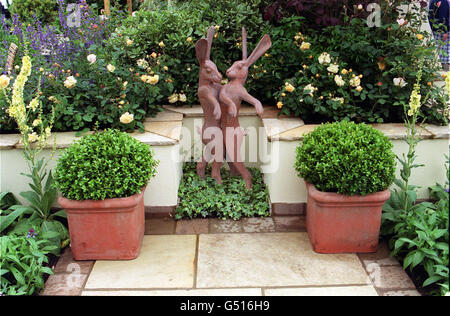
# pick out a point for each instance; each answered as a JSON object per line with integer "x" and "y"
{"x": 17, "y": 275}
{"x": 7, "y": 199}
{"x": 33, "y": 198}
{"x": 61, "y": 213}
{"x": 5, "y": 221}
{"x": 431, "y": 280}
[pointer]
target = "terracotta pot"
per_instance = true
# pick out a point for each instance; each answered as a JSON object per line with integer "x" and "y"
{"x": 338, "y": 223}
{"x": 111, "y": 229}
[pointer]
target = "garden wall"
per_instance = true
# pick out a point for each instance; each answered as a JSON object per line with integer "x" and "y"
{"x": 171, "y": 135}
{"x": 161, "y": 134}
{"x": 288, "y": 192}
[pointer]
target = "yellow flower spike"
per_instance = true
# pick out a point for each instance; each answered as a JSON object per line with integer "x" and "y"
{"x": 447, "y": 82}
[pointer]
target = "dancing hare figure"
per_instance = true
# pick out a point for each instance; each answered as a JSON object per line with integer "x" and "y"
{"x": 231, "y": 95}
{"x": 208, "y": 94}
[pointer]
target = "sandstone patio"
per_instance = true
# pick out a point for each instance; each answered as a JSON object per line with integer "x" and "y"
{"x": 251, "y": 257}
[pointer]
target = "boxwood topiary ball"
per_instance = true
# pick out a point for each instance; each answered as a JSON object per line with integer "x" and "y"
{"x": 109, "y": 164}
{"x": 346, "y": 158}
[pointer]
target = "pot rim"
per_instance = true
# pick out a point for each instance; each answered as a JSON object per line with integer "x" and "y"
{"x": 118, "y": 203}
{"x": 333, "y": 197}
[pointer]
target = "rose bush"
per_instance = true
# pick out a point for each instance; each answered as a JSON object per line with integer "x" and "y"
{"x": 154, "y": 52}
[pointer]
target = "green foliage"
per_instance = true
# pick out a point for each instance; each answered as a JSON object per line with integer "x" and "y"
{"x": 346, "y": 158}
{"x": 419, "y": 232}
{"x": 45, "y": 11}
{"x": 179, "y": 26}
{"x": 205, "y": 198}
{"x": 379, "y": 55}
{"x": 100, "y": 97}
{"x": 23, "y": 263}
{"x": 19, "y": 219}
{"x": 109, "y": 164}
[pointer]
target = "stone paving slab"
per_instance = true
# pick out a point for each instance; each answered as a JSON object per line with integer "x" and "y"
{"x": 159, "y": 226}
{"x": 364, "y": 290}
{"x": 164, "y": 262}
{"x": 389, "y": 277}
{"x": 381, "y": 257}
{"x": 188, "y": 292}
{"x": 165, "y": 116}
{"x": 64, "y": 284}
{"x": 290, "y": 223}
{"x": 402, "y": 293}
{"x": 271, "y": 259}
{"x": 170, "y": 130}
{"x": 277, "y": 126}
{"x": 66, "y": 264}
{"x": 192, "y": 226}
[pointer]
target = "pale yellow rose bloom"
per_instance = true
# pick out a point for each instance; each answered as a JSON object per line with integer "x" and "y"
{"x": 4, "y": 81}
{"x": 126, "y": 118}
{"x": 173, "y": 98}
{"x": 111, "y": 68}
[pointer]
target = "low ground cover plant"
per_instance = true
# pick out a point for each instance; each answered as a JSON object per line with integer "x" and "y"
{"x": 24, "y": 263}
{"x": 201, "y": 198}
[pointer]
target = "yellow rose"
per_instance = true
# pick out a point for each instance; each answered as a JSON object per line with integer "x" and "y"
{"x": 289, "y": 87}
{"x": 129, "y": 42}
{"x": 70, "y": 82}
{"x": 279, "y": 104}
{"x": 419, "y": 37}
{"x": 355, "y": 81}
{"x": 126, "y": 118}
{"x": 161, "y": 44}
{"x": 144, "y": 78}
{"x": 189, "y": 39}
{"x": 359, "y": 88}
{"x": 154, "y": 55}
{"x": 4, "y": 81}
{"x": 182, "y": 97}
{"x": 110, "y": 68}
{"x": 305, "y": 46}
{"x": 153, "y": 79}
{"x": 173, "y": 98}
{"x": 334, "y": 68}
{"x": 339, "y": 81}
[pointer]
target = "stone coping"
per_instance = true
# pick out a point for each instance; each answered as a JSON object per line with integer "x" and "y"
{"x": 165, "y": 128}
{"x": 162, "y": 130}
{"x": 245, "y": 110}
{"x": 394, "y": 131}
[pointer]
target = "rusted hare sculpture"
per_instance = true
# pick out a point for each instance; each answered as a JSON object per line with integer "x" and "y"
{"x": 221, "y": 104}
{"x": 208, "y": 94}
{"x": 230, "y": 97}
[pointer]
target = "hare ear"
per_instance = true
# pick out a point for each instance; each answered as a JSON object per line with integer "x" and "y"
{"x": 263, "y": 45}
{"x": 209, "y": 38}
{"x": 244, "y": 44}
{"x": 201, "y": 48}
